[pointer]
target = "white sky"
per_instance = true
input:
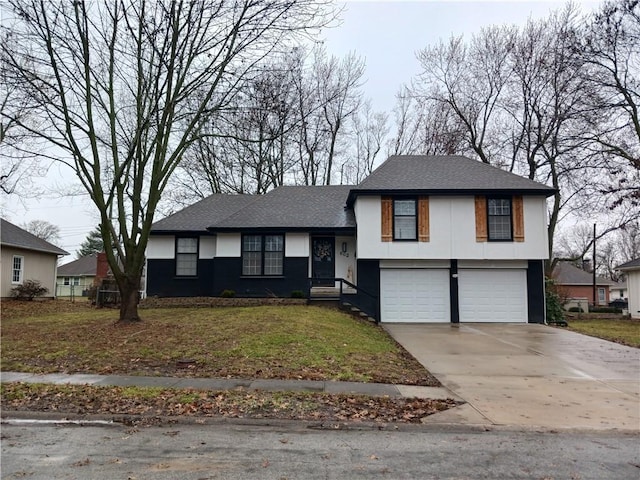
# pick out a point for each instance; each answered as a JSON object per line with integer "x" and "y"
{"x": 386, "y": 33}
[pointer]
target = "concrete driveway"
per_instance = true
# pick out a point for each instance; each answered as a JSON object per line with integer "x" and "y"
{"x": 528, "y": 375}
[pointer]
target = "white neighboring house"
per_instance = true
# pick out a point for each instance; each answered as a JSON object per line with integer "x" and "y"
{"x": 26, "y": 257}
{"x": 632, "y": 271}
{"x": 75, "y": 278}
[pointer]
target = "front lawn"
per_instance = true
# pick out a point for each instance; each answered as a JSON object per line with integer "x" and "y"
{"x": 624, "y": 331}
{"x": 286, "y": 342}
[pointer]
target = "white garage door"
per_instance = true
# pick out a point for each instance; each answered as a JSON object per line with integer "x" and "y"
{"x": 492, "y": 295}
{"x": 408, "y": 295}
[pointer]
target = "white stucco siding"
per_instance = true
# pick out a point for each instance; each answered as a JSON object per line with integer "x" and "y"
{"x": 633, "y": 290}
{"x": 161, "y": 247}
{"x": 452, "y": 232}
{"x": 228, "y": 245}
{"x": 296, "y": 244}
{"x": 207, "y": 247}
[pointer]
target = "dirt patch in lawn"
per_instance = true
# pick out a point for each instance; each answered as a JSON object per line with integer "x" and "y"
{"x": 150, "y": 402}
{"x": 279, "y": 342}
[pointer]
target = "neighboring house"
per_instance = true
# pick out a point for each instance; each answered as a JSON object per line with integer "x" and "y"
{"x": 618, "y": 291}
{"x": 75, "y": 278}
{"x": 424, "y": 239}
{"x": 632, "y": 271}
{"x": 576, "y": 286}
{"x": 26, "y": 257}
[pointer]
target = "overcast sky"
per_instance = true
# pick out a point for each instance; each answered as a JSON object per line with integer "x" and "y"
{"x": 386, "y": 33}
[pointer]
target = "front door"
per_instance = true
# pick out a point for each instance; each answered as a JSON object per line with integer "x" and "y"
{"x": 323, "y": 261}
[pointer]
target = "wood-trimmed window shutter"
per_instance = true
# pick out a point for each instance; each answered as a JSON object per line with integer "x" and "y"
{"x": 518, "y": 218}
{"x": 481, "y": 218}
{"x": 423, "y": 219}
{"x": 387, "y": 219}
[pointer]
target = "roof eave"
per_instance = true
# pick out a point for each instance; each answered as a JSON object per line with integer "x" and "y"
{"x": 58, "y": 252}
{"x": 341, "y": 229}
{"x": 353, "y": 194}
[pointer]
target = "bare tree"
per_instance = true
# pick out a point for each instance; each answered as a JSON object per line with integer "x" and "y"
{"x": 469, "y": 80}
{"x": 426, "y": 127}
{"x": 369, "y": 130}
{"x": 124, "y": 88}
{"x": 611, "y": 51}
{"x": 44, "y": 230}
{"x": 18, "y": 167}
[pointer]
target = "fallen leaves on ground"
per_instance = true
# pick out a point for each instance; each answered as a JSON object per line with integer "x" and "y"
{"x": 88, "y": 400}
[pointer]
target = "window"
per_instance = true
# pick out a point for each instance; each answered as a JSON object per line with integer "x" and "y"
{"x": 18, "y": 269}
{"x": 66, "y": 281}
{"x": 601, "y": 296}
{"x": 499, "y": 218}
{"x": 262, "y": 254}
{"x": 186, "y": 257}
{"x": 76, "y": 281}
{"x": 404, "y": 219}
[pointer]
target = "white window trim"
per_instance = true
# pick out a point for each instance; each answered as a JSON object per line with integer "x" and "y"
{"x": 602, "y": 298}
{"x": 13, "y": 260}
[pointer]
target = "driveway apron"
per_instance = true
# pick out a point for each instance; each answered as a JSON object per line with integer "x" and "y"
{"x": 528, "y": 375}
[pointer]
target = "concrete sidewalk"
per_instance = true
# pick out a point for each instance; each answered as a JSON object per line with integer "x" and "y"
{"x": 373, "y": 389}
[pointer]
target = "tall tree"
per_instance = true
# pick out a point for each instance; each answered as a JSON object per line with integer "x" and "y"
{"x": 44, "y": 230}
{"x": 124, "y": 88}
{"x": 92, "y": 244}
{"x": 611, "y": 52}
{"x": 469, "y": 80}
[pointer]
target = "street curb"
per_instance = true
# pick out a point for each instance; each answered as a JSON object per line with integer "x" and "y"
{"x": 158, "y": 421}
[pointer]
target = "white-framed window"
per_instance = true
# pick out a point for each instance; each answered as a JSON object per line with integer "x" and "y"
{"x": 262, "y": 254}
{"x": 601, "y": 296}
{"x": 75, "y": 281}
{"x": 17, "y": 272}
{"x": 66, "y": 281}
{"x": 186, "y": 257}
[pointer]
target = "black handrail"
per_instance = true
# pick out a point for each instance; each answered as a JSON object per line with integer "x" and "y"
{"x": 342, "y": 281}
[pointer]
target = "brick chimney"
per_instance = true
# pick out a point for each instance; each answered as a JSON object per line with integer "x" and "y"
{"x": 102, "y": 268}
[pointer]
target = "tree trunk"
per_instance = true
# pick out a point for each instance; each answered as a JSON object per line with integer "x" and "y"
{"x": 129, "y": 302}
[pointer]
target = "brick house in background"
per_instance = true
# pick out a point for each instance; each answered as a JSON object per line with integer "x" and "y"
{"x": 576, "y": 286}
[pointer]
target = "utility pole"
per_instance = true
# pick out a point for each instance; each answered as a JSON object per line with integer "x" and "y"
{"x": 595, "y": 298}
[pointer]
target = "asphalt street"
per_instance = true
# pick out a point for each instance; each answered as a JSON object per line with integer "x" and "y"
{"x": 293, "y": 451}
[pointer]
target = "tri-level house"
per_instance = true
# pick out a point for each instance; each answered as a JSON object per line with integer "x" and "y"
{"x": 422, "y": 239}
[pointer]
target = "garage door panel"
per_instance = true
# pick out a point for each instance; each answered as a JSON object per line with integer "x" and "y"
{"x": 492, "y": 295}
{"x": 414, "y": 295}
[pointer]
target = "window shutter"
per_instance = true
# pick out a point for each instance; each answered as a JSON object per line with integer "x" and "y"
{"x": 518, "y": 219}
{"x": 387, "y": 219}
{"x": 481, "y": 218}
{"x": 423, "y": 219}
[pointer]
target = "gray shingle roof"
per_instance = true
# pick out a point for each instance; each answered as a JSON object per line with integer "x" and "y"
{"x": 84, "y": 266}
{"x": 444, "y": 174}
{"x": 206, "y": 212}
{"x": 14, "y": 236}
{"x": 299, "y": 207}
{"x": 632, "y": 265}
{"x": 567, "y": 274}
